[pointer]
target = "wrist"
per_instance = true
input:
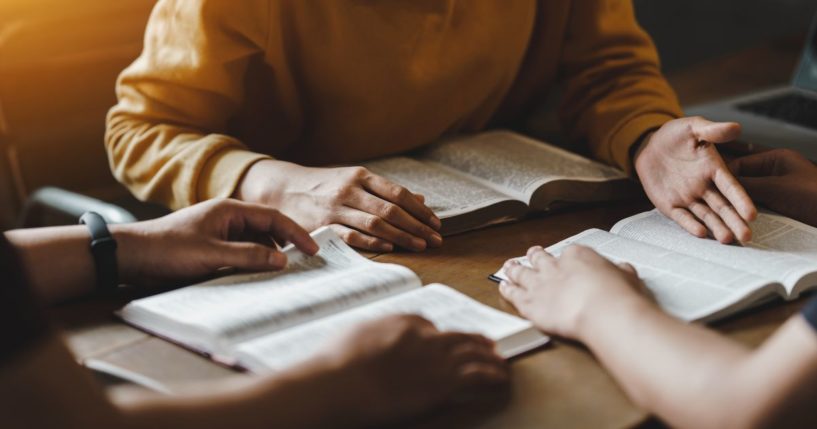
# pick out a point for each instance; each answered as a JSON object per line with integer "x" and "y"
{"x": 264, "y": 182}
{"x": 334, "y": 404}
{"x": 638, "y": 148}
{"x": 131, "y": 251}
{"x": 345, "y": 389}
{"x": 601, "y": 311}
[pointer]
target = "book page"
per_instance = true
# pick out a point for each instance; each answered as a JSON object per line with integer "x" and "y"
{"x": 447, "y": 193}
{"x": 775, "y": 232}
{"x": 514, "y": 164}
{"x": 683, "y": 286}
{"x": 448, "y": 309}
{"x": 238, "y": 307}
{"x": 781, "y": 249}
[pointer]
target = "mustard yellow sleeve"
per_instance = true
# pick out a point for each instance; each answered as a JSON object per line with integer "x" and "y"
{"x": 166, "y": 136}
{"x": 614, "y": 89}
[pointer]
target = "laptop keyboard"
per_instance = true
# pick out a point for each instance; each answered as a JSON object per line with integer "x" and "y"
{"x": 792, "y": 108}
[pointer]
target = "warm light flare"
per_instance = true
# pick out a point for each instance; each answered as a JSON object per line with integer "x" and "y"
{"x": 58, "y": 65}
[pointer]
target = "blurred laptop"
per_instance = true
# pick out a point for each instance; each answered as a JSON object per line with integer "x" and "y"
{"x": 779, "y": 117}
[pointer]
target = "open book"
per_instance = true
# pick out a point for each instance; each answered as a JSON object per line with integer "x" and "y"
{"x": 270, "y": 321}
{"x": 500, "y": 176}
{"x": 700, "y": 279}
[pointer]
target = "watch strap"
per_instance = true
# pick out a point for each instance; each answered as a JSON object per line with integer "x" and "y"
{"x": 103, "y": 248}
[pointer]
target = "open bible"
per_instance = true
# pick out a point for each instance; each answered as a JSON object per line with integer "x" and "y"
{"x": 499, "y": 176}
{"x": 699, "y": 279}
{"x": 270, "y": 321}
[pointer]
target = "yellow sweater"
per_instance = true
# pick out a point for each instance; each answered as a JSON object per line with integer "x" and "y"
{"x": 223, "y": 83}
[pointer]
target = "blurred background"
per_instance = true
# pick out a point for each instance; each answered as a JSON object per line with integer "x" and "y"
{"x": 59, "y": 61}
{"x": 691, "y": 31}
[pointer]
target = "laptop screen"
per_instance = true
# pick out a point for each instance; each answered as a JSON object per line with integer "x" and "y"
{"x": 806, "y": 76}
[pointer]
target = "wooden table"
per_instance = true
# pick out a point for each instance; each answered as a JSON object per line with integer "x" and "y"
{"x": 561, "y": 385}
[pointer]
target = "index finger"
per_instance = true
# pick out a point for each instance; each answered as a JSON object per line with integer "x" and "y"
{"x": 451, "y": 339}
{"x": 404, "y": 198}
{"x": 521, "y": 275}
{"x": 763, "y": 189}
{"x": 730, "y": 188}
{"x": 539, "y": 257}
{"x": 265, "y": 219}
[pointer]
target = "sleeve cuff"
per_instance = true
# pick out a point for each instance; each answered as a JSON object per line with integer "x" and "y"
{"x": 631, "y": 133}
{"x": 810, "y": 313}
{"x": 223, "y": 171}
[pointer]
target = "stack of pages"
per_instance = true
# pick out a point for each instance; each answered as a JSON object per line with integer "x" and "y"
{"x": 701, "y": 279}
{"x": 499, "y": 176}
{"x": 269, "y": 321}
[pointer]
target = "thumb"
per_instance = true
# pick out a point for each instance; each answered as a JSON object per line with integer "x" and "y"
{"x": 766, "y": 163}
{"x": 250, "y": 256}
{"x": 762, "y": 189}
{"x": 715, "y": 132}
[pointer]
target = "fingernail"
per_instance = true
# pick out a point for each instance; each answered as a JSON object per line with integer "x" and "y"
{"x": 386, "y": 247}
{"x": 436, "y": 222}
{"x": 278, "y": 259}
{"x": 436, "y": 239}
{"x": 418, "y": 243}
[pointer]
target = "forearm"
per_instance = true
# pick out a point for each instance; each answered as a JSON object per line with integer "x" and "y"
{"x": 58, "y": 261}
{"x": 776, "y": 386}
{"x": 683, "y": 373}
{"x": 167, "y": 137}
{"x": 614, "y": 89}
{"x": 305, "y": 397}
{"x": 183, "y": 165}
{"x": 43, "y": 387}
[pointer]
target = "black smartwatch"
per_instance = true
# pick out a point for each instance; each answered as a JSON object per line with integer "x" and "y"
{"x": 103, "y": 248}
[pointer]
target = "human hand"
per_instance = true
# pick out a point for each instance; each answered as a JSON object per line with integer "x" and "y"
{"x": 560, "y": 295}
{"x": 198, "y": 240}
{"x": 366, "y": 210}
{"x": 687, "y": 180}
{"x": 400, "y": 366}
{"x": 782, "y": 180}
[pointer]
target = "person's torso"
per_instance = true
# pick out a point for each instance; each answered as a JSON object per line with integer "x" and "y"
{"x": 349, "y": 81}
